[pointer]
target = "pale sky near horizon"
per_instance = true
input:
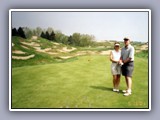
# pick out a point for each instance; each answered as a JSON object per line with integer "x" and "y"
{"x": 103, "y": 25}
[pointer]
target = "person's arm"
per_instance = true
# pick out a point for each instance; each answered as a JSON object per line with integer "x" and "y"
{"x": 131, "y": 56}
{"x": 127, "y": 60}
{"x": 111, "y": 58}
{"x": 120, "y": 60}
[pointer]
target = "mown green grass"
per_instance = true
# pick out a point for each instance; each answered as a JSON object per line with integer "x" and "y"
{"x": 84, "y": 82}
{"x": 142, "y": 54}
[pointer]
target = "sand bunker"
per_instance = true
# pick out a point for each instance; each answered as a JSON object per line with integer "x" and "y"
{"x": 38, "y": 49}
{"x": 52, "y": 53}
{"x": 33, "y": 44}
{"x": 144, "y": 47}
{"x": 66, "y": 57}
{"x": 64, "y": 49}
{"x": 55, "y": 43}
{"x": 18, "y": 52}
{"x": 81, "y": 53}
{"x": 22, "y": 58}
{"x": 24, "y": 47}
{"x": 105, "y": 52}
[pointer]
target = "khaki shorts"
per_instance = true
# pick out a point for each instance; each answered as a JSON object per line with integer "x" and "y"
{"x": 115, "y": 69}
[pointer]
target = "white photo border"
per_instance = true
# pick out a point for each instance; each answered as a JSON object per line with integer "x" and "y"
{"x": 80, "y": 10}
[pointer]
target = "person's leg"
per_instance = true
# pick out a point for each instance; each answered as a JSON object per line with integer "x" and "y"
{"x": 124, "y": 91}
{"x": 128, "y": 76}
{"x": 124, "y": 73}
{"x": 118, "y": 76}
{"x": 114, "y": 81}
{"x": 126, "y": 81}
{"x": 118, "y": 81}
{"x": 113, "y": 70}
{"x": 129, "y": 85}
{"x": 129, "y": 79}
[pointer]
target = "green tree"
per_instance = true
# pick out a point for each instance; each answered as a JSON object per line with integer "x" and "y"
{"x": 14, "y": 32}
{"x": 28, "y": 32}
{"x": 86, "y": 40}
{"x": 82, "y": 40}
{"x": 70, "y": 40}
{"x": 76, "y": 39}
{"x": 52, "y": 36}
{"x": 38, "y": 31}
{"x": 60, "y": 37}
{"x": 47, "y": 35}
{"x": 34, "y": 32}
{"x": 49, "y": 30}
{"x": 65, "y": 40}
{"x": 43, "y": 35}
{"x": 21, "y": 32}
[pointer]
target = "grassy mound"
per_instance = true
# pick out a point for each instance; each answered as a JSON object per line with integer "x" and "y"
{"x": 26, "y": 46}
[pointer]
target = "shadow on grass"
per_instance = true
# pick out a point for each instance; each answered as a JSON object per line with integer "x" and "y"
{"x": 101, "y": 88}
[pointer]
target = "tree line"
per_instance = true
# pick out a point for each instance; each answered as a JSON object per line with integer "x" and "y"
{"x": 76, "y": 39}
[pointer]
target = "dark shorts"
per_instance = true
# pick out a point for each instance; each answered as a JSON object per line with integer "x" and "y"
{"x": 127, "y": 69}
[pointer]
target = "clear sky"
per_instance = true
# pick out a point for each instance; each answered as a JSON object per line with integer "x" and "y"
{"x": 103, "y": 25}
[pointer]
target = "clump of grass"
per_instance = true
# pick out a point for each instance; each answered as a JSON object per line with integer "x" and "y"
{"x": 142, "y": 54}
